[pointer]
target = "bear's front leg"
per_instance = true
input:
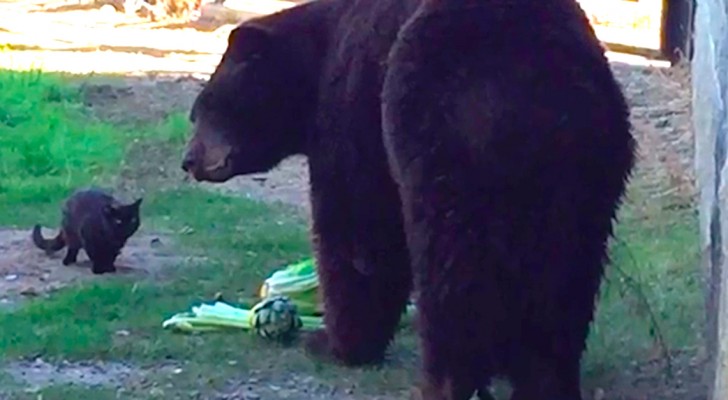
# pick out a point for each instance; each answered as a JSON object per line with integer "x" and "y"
{"x": 365, "y": 280}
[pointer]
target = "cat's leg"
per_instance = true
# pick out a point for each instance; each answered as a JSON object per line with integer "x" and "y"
{"x": 102, "y": 266}
{"x": 102, "y": 258}
{"x": 73, "y": 245}
{"x": 71, "y": 255}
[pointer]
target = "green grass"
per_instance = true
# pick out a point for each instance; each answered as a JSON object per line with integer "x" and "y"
{"x": 654, "y": 260}
{"x": 50, "y": 145}
{"x": 66, "y": 392}
{"x": 240, "y": 254}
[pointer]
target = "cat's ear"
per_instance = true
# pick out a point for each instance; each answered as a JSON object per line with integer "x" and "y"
{"x": 130, "y": 206}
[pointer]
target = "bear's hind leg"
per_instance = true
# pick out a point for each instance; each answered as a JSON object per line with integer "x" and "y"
{"x": 457, "y": 343}
{"x": 364, "y": 273}
{"x": 448, "y": 389}
{"x": 364, "y": 300}
{"x": 548, "y": 379}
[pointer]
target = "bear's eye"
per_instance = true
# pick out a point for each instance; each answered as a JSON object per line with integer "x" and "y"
{"x": 118, "y": 221}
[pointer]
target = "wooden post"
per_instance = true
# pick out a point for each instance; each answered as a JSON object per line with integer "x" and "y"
{"x": 677, "y": 29}
{"x": 717, "y": 340}
{"x": 710, "y": 122}
{"x": 719, "y": 385}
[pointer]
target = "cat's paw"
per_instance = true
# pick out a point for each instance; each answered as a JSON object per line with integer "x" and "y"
{"x": 103, "y": 270}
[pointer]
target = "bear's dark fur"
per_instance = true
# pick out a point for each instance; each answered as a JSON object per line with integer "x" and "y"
{"x": 509, "y": 142}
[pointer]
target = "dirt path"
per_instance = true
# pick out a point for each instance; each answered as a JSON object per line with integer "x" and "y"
{"x": 75, "y": 40}
{"x": 27, "y": 272}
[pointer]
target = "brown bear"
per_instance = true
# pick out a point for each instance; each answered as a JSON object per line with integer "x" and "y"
{"x": 307, "y": 80}
{"x": 478, "y": 149}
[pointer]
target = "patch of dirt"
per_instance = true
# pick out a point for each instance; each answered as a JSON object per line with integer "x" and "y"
{"x": 660, "y": 101}
{"x": 34, "y": 375}
{"x": 138, "y": 100}
{"x": 650, "y": 380}
{"x": 37, "y": 374}
{"x": 26, "y": 271}
{"x": 293, "y": 386}
{"x": 286, "y": 184}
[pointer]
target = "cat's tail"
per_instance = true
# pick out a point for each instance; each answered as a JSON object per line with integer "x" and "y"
{"x": 49, "y": 245}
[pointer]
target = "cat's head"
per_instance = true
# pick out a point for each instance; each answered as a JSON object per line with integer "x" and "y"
{"x": 124, "y": 218}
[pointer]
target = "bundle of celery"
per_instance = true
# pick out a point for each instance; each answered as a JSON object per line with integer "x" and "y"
{"x": 289, "y": 303}
{"x": 299, "y": 282}
{"x": 273, "y": 318}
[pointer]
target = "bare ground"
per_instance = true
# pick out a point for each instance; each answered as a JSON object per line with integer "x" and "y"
{"x": 38, "y": 373}
{"x": 124, "y": 378}
{"x": 168, "y": 76}
{"x": 26, "y": 271}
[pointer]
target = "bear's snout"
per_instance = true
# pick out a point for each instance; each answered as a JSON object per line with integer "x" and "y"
{"x": 193, "y": 155}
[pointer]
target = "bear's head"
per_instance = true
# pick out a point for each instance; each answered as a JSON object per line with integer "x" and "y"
{"x": 256, "y": 108}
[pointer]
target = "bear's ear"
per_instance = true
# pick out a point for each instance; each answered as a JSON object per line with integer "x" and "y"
{"x": 249, "y": 41}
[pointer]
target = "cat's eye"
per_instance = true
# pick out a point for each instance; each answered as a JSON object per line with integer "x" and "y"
{"x": 118, "y": 221}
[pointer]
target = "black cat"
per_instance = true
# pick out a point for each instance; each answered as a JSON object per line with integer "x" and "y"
{"x": 98, "y": 223}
